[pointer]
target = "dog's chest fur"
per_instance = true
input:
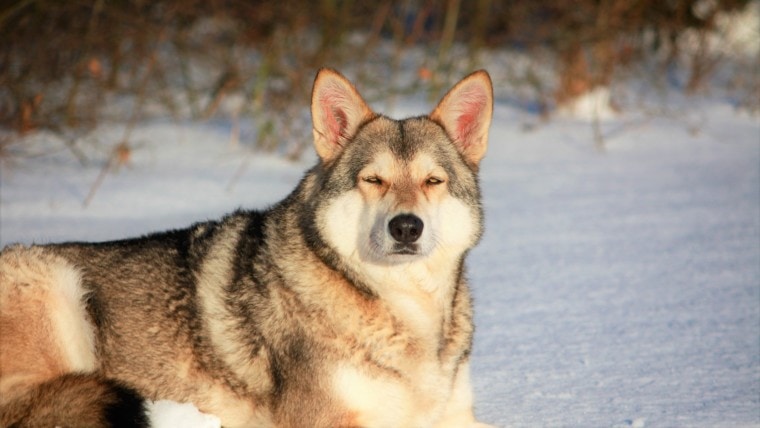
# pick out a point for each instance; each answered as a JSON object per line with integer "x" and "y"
{"x": 402, "y": 344}
{"x": 430, "y": 332}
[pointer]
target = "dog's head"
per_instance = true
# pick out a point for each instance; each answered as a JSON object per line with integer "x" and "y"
{"x": 397, "y": 191}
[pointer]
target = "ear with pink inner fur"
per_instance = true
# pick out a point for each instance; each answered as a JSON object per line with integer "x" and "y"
{"x": 465, "y": 113}
{"x": 337, "y": 111}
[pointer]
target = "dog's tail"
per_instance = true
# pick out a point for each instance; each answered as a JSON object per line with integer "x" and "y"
{"x": 75, "y": 400}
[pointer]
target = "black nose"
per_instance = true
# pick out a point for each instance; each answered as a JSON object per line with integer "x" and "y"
{"x": 405, "y": 228}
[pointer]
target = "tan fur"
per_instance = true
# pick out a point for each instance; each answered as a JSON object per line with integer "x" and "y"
{"x": 71, "y": 400}
{"x": 42, "y": 321}
{"x": 301, "y": 315}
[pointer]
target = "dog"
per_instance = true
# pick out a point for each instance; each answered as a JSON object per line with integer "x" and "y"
{"x": 344, "y": 305}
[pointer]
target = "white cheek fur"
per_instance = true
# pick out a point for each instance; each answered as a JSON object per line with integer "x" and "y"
{"x": 455, "y": 225}
{"x": 358, "y": 230}
{"x": 341, "y": 223}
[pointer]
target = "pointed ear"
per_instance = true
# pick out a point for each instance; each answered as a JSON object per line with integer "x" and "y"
{"x": 337, "y": 111}
{"x": 465, "y": 113}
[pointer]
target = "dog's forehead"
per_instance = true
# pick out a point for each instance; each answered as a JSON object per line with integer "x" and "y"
{"x": 404, "y": 139}
{"x": 388, "y": 164}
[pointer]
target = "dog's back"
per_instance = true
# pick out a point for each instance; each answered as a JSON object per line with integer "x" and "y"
{"x": 81, "y": 321}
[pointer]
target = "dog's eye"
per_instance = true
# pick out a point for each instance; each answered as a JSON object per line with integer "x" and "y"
{"x": 433, "y": 181}
{"x": 373, "y": 180}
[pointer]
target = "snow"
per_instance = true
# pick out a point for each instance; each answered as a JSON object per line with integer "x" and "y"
{"x": 593, "y": 105}
{"x": 614, "y": 287}
{"x": 624, "y": 285}
{"x": 169, "y": 414}
{"x": 736, "y": 34}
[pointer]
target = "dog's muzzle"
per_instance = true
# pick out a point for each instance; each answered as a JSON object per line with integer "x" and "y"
{"x": 406, "y": 229}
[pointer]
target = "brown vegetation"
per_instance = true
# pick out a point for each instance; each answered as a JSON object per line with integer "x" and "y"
{"x": 60, "y": 60}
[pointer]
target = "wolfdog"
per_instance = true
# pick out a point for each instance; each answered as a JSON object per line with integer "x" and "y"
{"x": 343, "y": 305}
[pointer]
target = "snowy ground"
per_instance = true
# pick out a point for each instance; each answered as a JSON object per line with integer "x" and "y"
{"x": 613, "y": 288}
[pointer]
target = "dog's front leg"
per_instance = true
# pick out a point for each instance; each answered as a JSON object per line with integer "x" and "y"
{"x": 459, "y": 412}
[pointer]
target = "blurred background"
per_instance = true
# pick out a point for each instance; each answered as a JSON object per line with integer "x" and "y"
{"x": 69, "y": 66}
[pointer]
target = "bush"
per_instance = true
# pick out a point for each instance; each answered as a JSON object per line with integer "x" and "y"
{"x": 61, "y": 62}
